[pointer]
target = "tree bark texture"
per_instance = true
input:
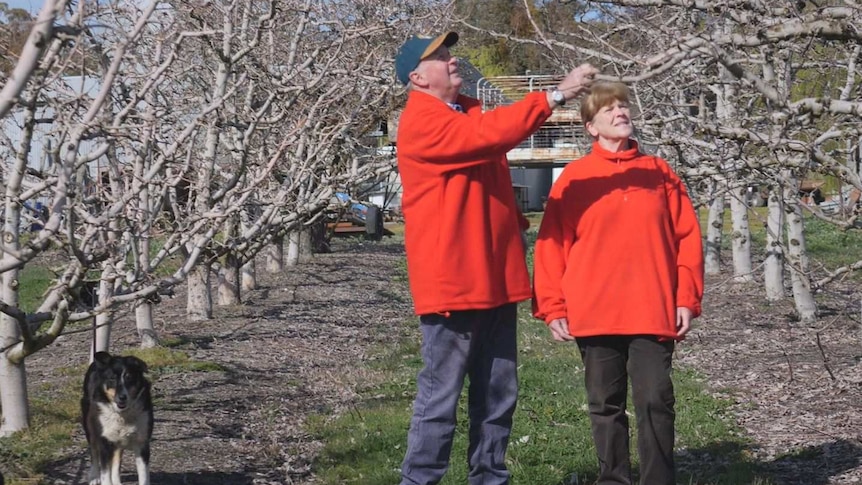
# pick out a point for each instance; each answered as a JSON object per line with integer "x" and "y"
{"x": 306, "y": 253}
{"x": 228, "y": 281}
{"x": 797, "y": 257}
{"x": 714, "y": 230}
{"x": 144, "y": 321}
{"x": 248, "y": 276}
{"x": 740, "y": 237}
{"x": 199, "y": 305}
{"x": 292, "y": 248}
{"x": 773, "y": 265}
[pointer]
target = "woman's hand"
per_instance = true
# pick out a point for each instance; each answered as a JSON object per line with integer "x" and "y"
{"x": 683, "y": 322}
{"x": 560, "y": 329}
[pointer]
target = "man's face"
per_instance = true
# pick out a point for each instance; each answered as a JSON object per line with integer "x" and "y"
{"x": 612, "y": 122}
{"x": 438, "y": 73}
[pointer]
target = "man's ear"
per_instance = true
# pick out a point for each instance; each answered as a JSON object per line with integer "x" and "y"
{"x": 591, "y": 129}
{"x": 417, "y": 79}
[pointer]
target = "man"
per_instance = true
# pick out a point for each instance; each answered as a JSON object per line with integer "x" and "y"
{"x": 465, "y": 256}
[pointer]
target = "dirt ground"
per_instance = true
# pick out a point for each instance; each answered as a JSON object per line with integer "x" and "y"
{"x": 298, "y": 343}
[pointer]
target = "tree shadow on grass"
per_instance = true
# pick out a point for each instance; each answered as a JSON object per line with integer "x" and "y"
{"x": 729, "y": 463}
{"x": 192, "y": 478}
{"x": 197, "y": 478}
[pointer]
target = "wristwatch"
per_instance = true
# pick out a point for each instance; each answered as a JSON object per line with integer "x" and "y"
{"x": 558, "y": 97}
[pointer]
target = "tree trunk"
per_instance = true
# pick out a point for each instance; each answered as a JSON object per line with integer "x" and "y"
{"x": 740, "y": 237}
{"x": 773, "y": 266}
{"x": 714, "y": 229}
{"x": 146, "y": 329}
{"x": 275, "y": 256}
{"x": 13, "y": 387}
{"x": 13, "y": 377}
{"x": 725, "y": 111}
{"x": 228, "y": 281}
{"x": 292, "y": 248}
{"x": 144, "y": 308}
{"x": 306, "y": 253}
{"x": 14, "y": 404}
{"x": 248, "y": 271}
{"x": 104, "y": 320}
{"x": 228, "y": 276}
{"x": 199, "y": 303}
{"x": 249, "y": 276}
{"x": 797, "y": 257}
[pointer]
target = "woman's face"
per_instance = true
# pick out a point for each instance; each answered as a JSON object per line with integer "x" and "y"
{"x": 612, "y": 122}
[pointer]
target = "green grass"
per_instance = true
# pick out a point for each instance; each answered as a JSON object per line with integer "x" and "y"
{"x": 163, "y": 360}
{"x": 36, "y": 277}
{"x": 827, "y": 245}
{"x": 831, "y": 247}
{"x": 56, "y": 413}
{"x": 551, "y": 437}
{"x": 35, "y": 280}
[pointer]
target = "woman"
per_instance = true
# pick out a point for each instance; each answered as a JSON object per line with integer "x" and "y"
{"x": 619, "y": 269}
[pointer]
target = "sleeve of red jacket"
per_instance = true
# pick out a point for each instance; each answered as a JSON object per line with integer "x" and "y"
{"x": 454, "y": 141}
{"x": 549, "y": 262}
{"x": 689, "y": 291}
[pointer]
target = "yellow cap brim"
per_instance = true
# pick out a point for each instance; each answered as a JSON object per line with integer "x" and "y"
{"x": 448, "y": 39}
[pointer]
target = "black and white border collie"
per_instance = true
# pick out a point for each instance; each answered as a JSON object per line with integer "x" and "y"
{"x": 117, "y": 414}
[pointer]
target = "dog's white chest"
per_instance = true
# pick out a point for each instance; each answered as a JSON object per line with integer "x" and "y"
{"x": 127, "y": 430}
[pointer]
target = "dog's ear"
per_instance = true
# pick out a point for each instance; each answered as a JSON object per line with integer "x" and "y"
{"x": 102, "y": 358}
{"x": 136, "y": 363}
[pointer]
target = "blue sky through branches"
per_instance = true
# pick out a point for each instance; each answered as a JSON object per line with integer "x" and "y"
{"x": 31, "y": 6}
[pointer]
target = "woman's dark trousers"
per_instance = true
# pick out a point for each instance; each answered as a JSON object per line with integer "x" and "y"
{"x": 609, "y": 362}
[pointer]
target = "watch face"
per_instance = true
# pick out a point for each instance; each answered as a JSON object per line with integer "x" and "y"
{"x": 558, "y": 97}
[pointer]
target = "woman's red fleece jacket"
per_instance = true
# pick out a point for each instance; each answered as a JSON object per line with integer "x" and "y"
{"x": 462, "y": 226}
{"x": 619, "y": 248}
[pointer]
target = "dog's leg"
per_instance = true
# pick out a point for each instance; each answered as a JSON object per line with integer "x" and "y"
{"x": 142, "y": 463}
{"x": 95, "y": 446}
{"x": 94, "y": 477}
{"x": 116, "y": 460}
{"x": 102, "y": 454}
{"x": 106, "y": 476}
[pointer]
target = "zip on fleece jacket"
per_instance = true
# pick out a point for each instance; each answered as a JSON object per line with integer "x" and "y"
{"x": 461, "y": 224}
{"x": 619, "y": 248}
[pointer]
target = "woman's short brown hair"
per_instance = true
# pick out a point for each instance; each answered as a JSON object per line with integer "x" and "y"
{"x": 602, "y": 94}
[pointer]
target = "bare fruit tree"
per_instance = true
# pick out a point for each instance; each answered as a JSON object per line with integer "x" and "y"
{"x": 82, "y": 134}
{"x": 147, "y": 143}
{"x": 743, "y": 97}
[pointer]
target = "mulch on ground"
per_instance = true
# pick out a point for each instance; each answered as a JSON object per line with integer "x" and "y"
{"x": 297, "y": 345}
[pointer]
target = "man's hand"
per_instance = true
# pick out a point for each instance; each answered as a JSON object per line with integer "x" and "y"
{"x": 560, "y": 329}
{"x": 577, "y": 81}
{"x": 683, "y": 322}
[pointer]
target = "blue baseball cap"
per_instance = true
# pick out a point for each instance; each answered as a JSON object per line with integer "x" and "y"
{"x": 417, "y": 48}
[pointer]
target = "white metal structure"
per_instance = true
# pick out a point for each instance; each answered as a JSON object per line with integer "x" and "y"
{"x": 560, "y": 140}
